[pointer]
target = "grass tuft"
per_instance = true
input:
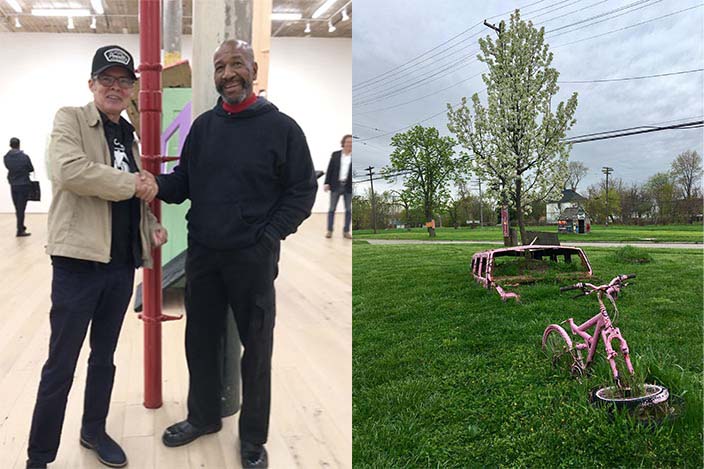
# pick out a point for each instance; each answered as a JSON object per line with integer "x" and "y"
{"x": 632, "y": 255}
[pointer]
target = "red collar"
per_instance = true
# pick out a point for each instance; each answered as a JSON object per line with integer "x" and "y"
{"x": 241, "y": 106}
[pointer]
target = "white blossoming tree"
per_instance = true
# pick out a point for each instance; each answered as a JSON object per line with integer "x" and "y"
{"x": 515, "y": 141}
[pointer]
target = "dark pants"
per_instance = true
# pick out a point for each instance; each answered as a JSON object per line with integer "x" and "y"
{"x": 20, "y": 196}
{"x": 97, "y": 297}
{"x": 244, "y": 280}
{"x": 334, "y": 197}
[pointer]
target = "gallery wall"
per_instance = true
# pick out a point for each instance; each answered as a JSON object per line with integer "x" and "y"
{"x": 310, "y": 79}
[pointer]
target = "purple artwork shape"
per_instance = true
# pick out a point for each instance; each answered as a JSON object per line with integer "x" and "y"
{"x": 181, "y": 123}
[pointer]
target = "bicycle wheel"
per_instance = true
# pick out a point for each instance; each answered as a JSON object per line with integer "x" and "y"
{"x": 650, "y": 395}
{"x": 557, "y": 345}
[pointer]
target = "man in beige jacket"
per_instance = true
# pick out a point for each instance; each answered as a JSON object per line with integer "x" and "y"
{"x": 100, "y": 230}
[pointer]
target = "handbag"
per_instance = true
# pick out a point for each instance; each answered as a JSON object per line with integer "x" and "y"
{"x": 35, "y": 192}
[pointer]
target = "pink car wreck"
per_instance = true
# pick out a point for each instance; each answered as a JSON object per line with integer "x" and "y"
{"x": 499, "y": 268}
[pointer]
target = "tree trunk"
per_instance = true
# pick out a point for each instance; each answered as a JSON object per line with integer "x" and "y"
{"x": 519, "y": 212}
{"x": 428, "y": 220}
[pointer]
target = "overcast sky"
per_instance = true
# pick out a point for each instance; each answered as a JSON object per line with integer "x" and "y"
{"x": 391, "y": 33}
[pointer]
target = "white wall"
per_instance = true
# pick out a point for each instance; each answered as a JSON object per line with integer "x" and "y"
{"x": 310, "y": 80}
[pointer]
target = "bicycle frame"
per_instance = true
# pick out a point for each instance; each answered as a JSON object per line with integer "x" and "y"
{"x": 604, "y": 330}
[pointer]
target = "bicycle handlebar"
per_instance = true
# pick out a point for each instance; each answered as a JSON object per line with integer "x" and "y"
{"x": 582, "y": 286}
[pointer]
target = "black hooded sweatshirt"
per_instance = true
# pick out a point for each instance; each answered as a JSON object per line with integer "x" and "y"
{"x": 247, "y": 174}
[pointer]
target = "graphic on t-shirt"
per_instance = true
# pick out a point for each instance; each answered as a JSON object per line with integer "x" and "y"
{"x": 121, "y": 161}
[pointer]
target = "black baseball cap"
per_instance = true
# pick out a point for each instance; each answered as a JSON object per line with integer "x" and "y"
{"x": 112, "y": 56}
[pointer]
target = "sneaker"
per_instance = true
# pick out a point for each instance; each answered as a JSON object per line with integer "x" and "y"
{"x": 328, "y": 234}
{"x": 106, "y": 449}
{"x": 253, "y": 456}
{"x": 347, "y": 235}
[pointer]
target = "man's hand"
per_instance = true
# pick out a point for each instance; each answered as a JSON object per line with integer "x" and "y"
{"x": 146, "y": 187}
{"x": 159, "y": 237}
{"x": 326, "y": 187}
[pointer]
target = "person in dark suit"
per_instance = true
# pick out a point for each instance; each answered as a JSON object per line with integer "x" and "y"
{"x": 338, "y": 180}
{"x": 18, "y": 167}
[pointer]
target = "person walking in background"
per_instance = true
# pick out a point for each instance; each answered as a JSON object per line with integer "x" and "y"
{"x": 18, "y": 167}
{"x": 338, "y": 181}
{"x": 99, "y": 233}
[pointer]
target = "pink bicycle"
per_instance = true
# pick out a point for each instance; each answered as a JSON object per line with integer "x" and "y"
{"x": 560, "y": 349}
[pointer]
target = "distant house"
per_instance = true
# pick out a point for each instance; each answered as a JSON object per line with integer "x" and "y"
{"x": 570, "y": 199}
{"x": 574, "y": 220}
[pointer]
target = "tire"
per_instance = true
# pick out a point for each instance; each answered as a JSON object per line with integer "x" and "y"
{"x": 557, "y": 345}
{"x": 654, "y": 395}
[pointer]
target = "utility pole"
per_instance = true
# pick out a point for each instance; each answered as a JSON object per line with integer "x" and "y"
{"x": 371, "y": 181}
{"x": 489, "y": 25}
{"x": 606, "y": 170}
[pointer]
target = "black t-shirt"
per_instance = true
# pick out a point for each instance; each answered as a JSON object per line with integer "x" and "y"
{"x": 126, "y": 247}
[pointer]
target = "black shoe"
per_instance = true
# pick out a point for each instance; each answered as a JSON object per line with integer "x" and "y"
{"x": 35, "y": 465}
{"x": 182, "y": 433}
{"x": 107, "y": 450}
{"x": 24, "y": 233}
{"x": 253, "y": 456}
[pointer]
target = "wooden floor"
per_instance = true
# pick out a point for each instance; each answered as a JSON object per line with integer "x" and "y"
{"x": 311, "y": 417}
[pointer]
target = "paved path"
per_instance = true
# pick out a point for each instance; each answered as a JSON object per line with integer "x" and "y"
{"x": 594, "y": 244}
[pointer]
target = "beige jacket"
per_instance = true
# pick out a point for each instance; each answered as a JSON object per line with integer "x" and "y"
{"x": 83, "y": 185}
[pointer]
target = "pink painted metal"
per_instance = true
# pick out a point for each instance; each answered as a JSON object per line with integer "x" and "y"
{"x": 483, "y": 264}
{"x": 603, "y": 328}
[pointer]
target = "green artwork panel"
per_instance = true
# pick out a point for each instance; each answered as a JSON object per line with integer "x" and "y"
{"x": 173, "y": 217}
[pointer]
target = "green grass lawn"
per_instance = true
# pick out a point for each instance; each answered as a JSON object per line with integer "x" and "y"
{"x": 599, "y": 233}
{"x": 446, "y": 375}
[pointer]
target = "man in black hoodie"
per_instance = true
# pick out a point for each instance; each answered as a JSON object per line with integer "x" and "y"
{"x": 18, "y": 167}
{"x": 247, "y": 170}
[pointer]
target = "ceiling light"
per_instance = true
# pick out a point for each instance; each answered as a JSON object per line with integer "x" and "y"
{"x": 70, "y": 23}
{"x": 17, "y": 23}
{"x": 344, "y": 15}
{"x": 323, "y": 8}
{"x": 60, "y": 12}
{"x": 14, "y": 5}
{"x": 331, "y": 27}
{"x": 92, "y": 23}
{"x": 285, "y": 16}
{"x": 307, "y": 30}
{"x": 97, "y": 6}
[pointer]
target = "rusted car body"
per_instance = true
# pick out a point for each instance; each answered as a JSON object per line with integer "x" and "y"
{"x": 484, "y": 266}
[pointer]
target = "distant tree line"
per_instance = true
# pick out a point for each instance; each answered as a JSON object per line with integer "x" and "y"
{"x": 673, "y": 196}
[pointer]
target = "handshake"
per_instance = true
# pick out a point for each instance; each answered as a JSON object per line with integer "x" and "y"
{"x": 146, "y": 186}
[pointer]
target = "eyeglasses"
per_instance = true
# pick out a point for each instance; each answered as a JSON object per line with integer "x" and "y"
{"x": 123, "y": 82}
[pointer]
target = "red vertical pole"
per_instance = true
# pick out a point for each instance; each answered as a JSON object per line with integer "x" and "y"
{"x": 150, "y": 127}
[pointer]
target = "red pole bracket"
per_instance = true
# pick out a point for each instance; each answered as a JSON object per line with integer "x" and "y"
{"x": 161, "y": 318}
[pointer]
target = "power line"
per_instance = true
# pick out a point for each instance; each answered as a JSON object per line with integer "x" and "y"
{"x": 383, "y": 176}
{"x": 687, "y": 125}
{"x": 373, "y": 79}
{"x": 607, "y": 19}
{"x": 628, "y": 27}
{"x": 607, "y": 80}
{"x": 449, "y": 65}
{"x": 606, "y": 13}
{"x": 418, "y": 99}
{"x": 581, "y": 139}
{"x": 369, "y": 83}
